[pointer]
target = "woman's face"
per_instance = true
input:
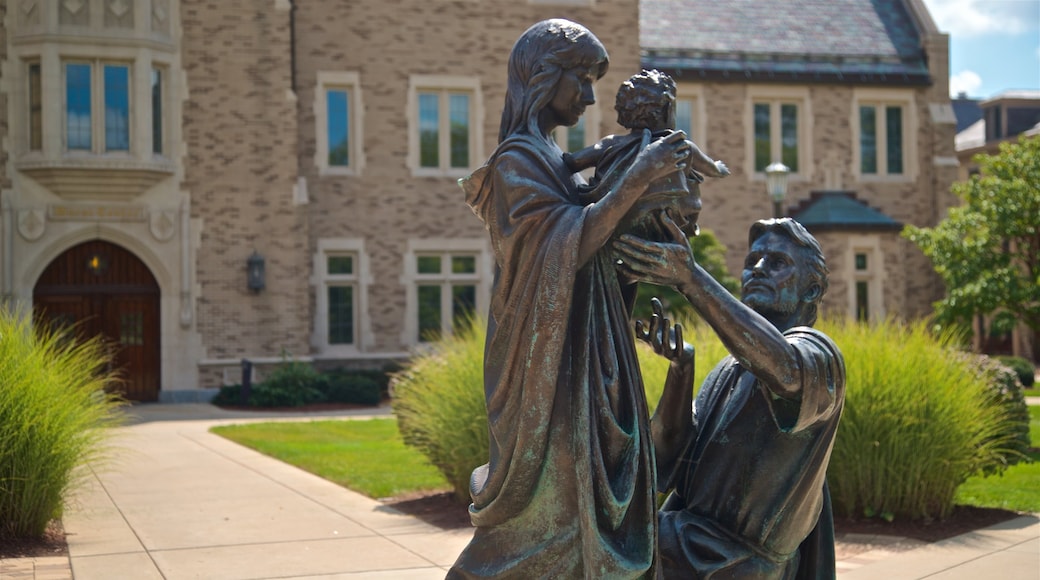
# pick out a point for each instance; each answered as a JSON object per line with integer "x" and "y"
{"x": 573, "y": 94}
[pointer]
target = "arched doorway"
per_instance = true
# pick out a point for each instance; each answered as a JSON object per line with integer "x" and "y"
{"x": 108, "y": 291}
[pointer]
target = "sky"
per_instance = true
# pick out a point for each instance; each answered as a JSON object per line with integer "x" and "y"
{"x": 994, "y": 44}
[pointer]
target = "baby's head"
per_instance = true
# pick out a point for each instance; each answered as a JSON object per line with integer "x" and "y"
{"x": 647, "y": 101}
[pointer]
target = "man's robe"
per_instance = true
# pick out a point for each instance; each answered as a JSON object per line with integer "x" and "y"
{"x": 568, "y": 491}
{"x": 749, "y": 497}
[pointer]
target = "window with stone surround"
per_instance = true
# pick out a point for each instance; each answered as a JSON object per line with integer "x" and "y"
{"x": 97, "y": 106}
{"x": 340, "y": 275}
{"x": 865, "y": 276}
{"x": 444, "y": 125}
{"x": 883, "y": 125}
{"x": 778, "y": 129}
{"x": 35, "y": 100}
{"x": 447, "y": 281}
{"x": 338, "y": 113}
{"x": 158, "y": 145}
{"x": 690, "y": 116}
{"x": 583, "y": 134}
{"x": 94, "y": 118}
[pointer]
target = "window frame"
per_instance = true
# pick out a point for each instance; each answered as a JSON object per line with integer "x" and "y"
{"x": 34, "y": 136}
{"x": 349, "y": 82}
{"x": 444, "y": 86}
{"x": 412, "y": 279}
{"x": 164, "y": 78}
{"x": 98, "y": 116}
{"x": 694, "y": 94}
{"x": 776, "y": 97}
{"x": 591, "y": 118}
{"x": 873, "y": 276}
{"x": 881, "y": 100}
{"x": 359, "y": 280}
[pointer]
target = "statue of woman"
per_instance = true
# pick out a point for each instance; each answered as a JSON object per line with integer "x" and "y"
{"x": 568, "y": 491}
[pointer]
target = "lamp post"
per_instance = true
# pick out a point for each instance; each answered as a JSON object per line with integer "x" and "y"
{"x": 776, "y": 185}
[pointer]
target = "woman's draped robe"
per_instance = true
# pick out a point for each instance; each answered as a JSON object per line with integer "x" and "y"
{"x": 569, "y": 488}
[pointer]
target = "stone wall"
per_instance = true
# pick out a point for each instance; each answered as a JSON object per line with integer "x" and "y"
{"x": 733, "y": 203}
{"x": 240, "y": 133}
{"x": 386, "y": 43}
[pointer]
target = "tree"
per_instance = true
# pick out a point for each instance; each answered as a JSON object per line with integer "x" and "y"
{"x": 711, "y": 255}
{"x": 987, "y": 251}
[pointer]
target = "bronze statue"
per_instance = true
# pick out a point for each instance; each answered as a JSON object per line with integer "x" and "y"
{"x": 569, "y": 489}
{"x": 646, "y": 106}
{"x": 747, "y": 468}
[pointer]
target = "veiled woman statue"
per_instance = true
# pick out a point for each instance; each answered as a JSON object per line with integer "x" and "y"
{"x": 568, "y": 491}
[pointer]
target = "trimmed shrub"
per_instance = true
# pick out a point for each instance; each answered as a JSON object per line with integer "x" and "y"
{"x": 1024, "y": 369}
{"x": 291, "y": 384}
{"x": 228, "y": 395}
{"x": 1004, "y": 390}
{"x": 918, "y": 421}
{"x": 352, "y": 387}
{"x": 55, "y": 415}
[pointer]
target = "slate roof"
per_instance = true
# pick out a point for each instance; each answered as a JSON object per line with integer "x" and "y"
{"x": 833, "y": 210}
{"x": 867, "y": 41}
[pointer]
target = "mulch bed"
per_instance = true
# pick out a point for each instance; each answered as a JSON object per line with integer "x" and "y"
{"x": 444, "y": 511}
{"x": 52, "y": 543}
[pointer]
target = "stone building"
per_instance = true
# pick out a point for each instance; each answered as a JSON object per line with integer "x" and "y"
{"x": 151, "y": 151}
{"x": 150, "y": 148}
{"x": 852, "y": 96}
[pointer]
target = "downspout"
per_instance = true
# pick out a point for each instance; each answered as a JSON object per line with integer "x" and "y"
{"x": 292, "y": 45}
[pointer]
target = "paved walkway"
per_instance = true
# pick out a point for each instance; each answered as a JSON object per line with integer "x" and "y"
{"x": 177, "y": 502}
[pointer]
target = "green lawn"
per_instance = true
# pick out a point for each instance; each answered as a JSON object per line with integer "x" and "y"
{"x": 366, "y": 456}
{"x": 1017, "y": 489}
{"x": 369, "y": 457}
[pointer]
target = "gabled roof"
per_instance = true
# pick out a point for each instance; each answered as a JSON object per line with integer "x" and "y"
{"x": 869, "y": 41}
{"x": 840, "y": 210}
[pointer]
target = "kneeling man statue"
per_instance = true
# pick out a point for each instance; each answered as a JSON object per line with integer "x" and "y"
{"x": 747, "y": 467}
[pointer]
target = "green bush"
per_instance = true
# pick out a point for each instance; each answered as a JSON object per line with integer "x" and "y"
{"x": 918, "y": 421}
{"x": 1004, "y": 389}
{"x": 54, "y": 416}
{"x": 290, "y": 384}
{"x": 1024, "y": 369}
{"x": 228, "y": 395}
{"x": 352, "y": 387}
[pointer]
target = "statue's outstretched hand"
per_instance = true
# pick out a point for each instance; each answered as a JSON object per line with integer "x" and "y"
{"x": 666, "y": 340}
{"x": 660, "y": 157}
{"x": 668, "y": 263}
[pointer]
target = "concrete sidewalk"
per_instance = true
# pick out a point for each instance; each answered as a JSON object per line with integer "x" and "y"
{"x": 178, "y": 502}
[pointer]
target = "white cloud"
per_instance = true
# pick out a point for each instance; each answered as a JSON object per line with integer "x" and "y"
{"x": 966, "y": 81}
{"x": 982, "y": 17}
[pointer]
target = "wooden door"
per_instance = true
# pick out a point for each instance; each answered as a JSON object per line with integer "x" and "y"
{"x": 105, "y": 290}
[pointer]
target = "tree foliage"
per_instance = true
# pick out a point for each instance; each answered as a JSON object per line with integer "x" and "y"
{"x": 988, "y": 249}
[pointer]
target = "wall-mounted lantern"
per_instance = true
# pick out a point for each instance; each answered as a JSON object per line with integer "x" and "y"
{"x": 776, "y": 186}
{"x": 255, "y": 272}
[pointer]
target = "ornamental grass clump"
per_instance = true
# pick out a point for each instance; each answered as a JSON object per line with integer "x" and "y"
{"x": 439, "y": 403}
{"x": 439, "y": 397}
{"x": 54, "y": 417}
{"x": 918, "y": 421}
